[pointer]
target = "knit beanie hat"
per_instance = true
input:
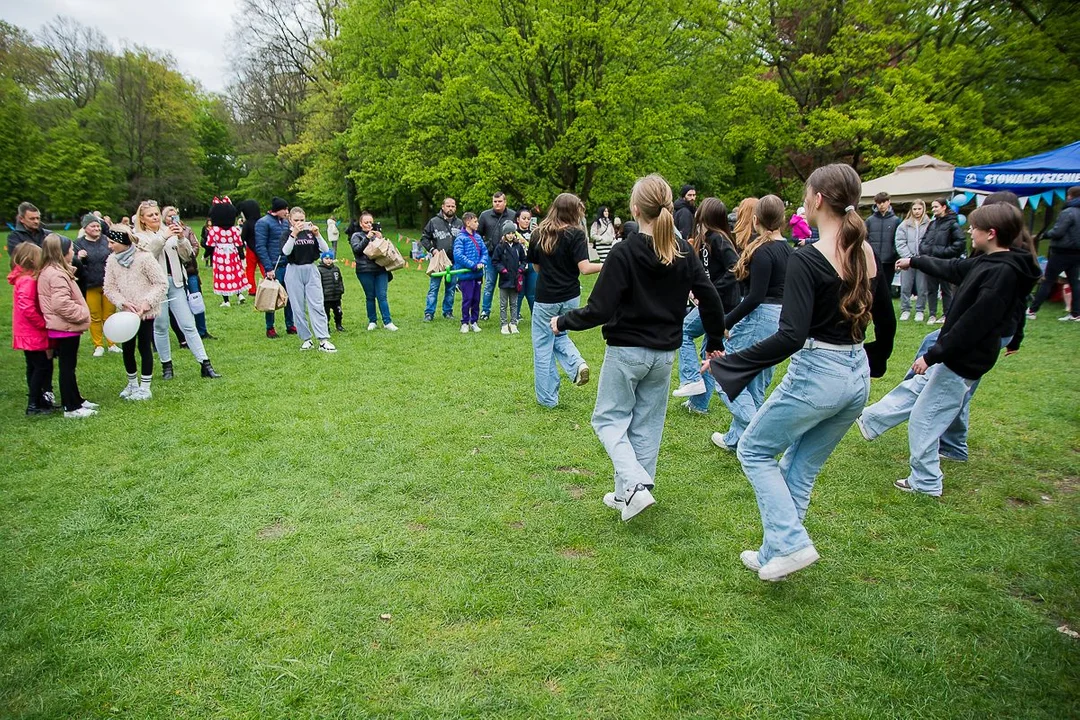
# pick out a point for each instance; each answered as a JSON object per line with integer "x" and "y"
{"x": 89, "y": 219}
{"x": 278, "y": 204}
{"x": 685, "y": 189}
{"x": 119, "y": 236}
{"x": 328, "y": 254}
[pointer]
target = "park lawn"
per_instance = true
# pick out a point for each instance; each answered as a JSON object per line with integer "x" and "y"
{"x": 398, "y": 530}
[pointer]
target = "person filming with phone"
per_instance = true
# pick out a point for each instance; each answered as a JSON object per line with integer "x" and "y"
{"x": 373, "y": 277}
{"x": 303, "y": 244}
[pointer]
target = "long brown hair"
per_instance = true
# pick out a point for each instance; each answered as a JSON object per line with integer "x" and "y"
{"x": 566, "y": 211}
{"x": 840, "y": 187}
{"x": 27, "y": 255}
{"x": 52, "y": 253}
{"x": 652, "y": 197}
{"x": 743, "y": 227}
{"x": 769, "y": 214}
{"x": 1023, "y": 241}
{"x": 711, "y": 216}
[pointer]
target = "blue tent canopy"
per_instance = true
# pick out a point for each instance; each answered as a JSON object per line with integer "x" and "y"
{"x": 1040, "y": 174}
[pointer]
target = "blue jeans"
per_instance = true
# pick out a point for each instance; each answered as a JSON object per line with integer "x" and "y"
{"x": 930, "y": 403}
{"x": 528, "y": 290}
{"x": 433, "y": 296}
{"x": 194, "y": 286}
{"x": 279, "y": 275}
{"x": 375, "y": 284}
{"x": 177, "y": 305}
{"x": 690, "y": 360}
{"x": 631, "y": 401}
{"x": 762, "y": 322}
{"x": 490, "y": 283}
{"x": 549, "y": 348}
{"x": 805, "y": 418}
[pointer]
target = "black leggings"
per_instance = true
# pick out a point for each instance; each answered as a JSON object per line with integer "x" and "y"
{"x": 39, "y": 374}
{"x": 67, "y": 353}
{"x": 1060, "y": 262}
{"x": 144, "y": 338}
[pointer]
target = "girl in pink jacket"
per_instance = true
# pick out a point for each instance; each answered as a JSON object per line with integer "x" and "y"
{"x": 28, "y": 328}
{"x": 67, "y": 317}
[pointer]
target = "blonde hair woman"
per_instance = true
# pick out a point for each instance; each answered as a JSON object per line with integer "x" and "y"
{"x": 640, "y": 299}
{"x": 908, "y": 236}
{"x": 166, "y": 242}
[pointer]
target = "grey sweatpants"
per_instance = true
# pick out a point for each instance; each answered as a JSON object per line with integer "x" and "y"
{"x": 304, "y": 286}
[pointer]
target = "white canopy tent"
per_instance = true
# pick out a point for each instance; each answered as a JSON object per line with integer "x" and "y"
{"x": 923, "y": 178}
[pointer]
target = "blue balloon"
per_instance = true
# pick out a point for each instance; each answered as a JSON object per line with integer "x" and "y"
{"x": 962, "y": 219}
{"x": 959, "y": 199}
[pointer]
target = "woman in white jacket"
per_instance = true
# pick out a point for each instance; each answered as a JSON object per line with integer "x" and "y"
{"x": 908, "y": 235}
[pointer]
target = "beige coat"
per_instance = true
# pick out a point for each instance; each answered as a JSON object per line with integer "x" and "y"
{"x": 61, "y": 302}
{"x": 141, "y": 284}
{"x": 162, "y": 244}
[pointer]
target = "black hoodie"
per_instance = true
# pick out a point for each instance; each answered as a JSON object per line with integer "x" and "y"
{"x": 990, "y": 285}
{"x": 250, "y": 210}
{"x": 641, "y": 302}
{"x": 684, "y": 218}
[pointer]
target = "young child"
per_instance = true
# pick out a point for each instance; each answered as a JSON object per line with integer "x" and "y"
{"x": 67, "y": 317}
{"x": 333, "y": 287}
{"x": 470, "y": 254}
{"x": 968, "y": 346}
{"x": 28, "y": 331}
{"x": 135, "y": 282}
{"x": 640, "y": 299}
{"x": 509, "y": 263}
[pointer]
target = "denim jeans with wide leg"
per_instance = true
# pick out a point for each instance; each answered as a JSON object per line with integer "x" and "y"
{"x": 929, "y": 403}
{"x": 631, "y": 401}
{"x": 433, "y": 296}
{"x": 549, "y": 349}
{"x": 690, "y": 360}
{"x": 177, "y": 304}
{"x": 490, "y": 284}
{"x": 762, "y": 322}
{"x": 805, "y": 418}
{"x": 375, "y": 285}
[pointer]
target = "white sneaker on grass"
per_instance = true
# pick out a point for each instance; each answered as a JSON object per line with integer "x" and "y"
{"x": 513, "y": 329}
{"x": 1030, "y": 315}
{"x": 931, "y": 320}
{"x": 750, "y": 560}
{"x": 79, "y": 413}
{"x": 1069, "y": 318}
{"x": 125, "y": 394}
{"x": 783, "y": 565}
{"x": 693, "y": 410}
{"x": 505, "y": 330}
{"x": 862, "y": 429}
{"x": 475, "y": 327}
{"x": 225, "y": 304}
{"x": 99, "y": 351}
{"x": 918, "y": 317}
{"x": 140, "y": 393}
{"x": 390, "y": 326}
{"x": 581, "y": 377}
{"x": 307, "y": 344}
{"x": 640, "y": 499}
{"x": 90, "y": 405}
{"x": 464, "y": 329}
{"x": 690, "y": 389}
{"x": 327, "y": 346}
{"x": 718, "y": 440}
{"x": 906, "y": 315}
{"x": 614, "y": 503}
{"x": 371, "y": 326}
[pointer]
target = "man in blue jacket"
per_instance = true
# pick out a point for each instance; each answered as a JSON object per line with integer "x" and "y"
{"x": 270, "y": 233}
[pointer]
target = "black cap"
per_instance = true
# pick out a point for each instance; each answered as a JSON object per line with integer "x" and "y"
{"x": 118, "y": 236}
{"x": 278, "y": 204}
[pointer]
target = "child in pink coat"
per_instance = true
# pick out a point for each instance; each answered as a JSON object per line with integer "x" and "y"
{"x": 28, "y": 331}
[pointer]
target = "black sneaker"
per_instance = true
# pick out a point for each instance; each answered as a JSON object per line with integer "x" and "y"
{"x": 484, "y": 316}
{"x": 339, "y": 328}
{"x": 428, "y": 317}
{"x": 448, "y": 316}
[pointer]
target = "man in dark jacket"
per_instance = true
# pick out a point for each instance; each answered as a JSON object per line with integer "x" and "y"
{"x": 491, "y": 223}
{"x": 881, "y": 234}
{"x": 439, "y": 234}
{"x": 685, "y": 208}
{"x": 1064, "y": 257}
{"x": 944, "y": 240}
{"x": 27, "y": 228}
{"x": 270, "y": 233}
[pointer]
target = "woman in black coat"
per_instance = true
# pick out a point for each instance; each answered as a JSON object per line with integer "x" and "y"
{"x": 943, "y": 239}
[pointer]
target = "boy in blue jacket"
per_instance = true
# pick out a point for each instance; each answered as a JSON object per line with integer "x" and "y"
{"x": 471, "y": 254}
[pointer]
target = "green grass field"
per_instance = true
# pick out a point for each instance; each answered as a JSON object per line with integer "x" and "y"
{"x": 398, "y": 530}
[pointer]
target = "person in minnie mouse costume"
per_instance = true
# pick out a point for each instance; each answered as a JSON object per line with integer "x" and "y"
{"x": 228, "y": 263}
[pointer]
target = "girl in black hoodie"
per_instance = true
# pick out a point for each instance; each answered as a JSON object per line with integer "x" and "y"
{"x": 640, "y": 298}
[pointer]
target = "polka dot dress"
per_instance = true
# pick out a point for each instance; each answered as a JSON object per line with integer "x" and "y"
{"x": 228, "y": 262}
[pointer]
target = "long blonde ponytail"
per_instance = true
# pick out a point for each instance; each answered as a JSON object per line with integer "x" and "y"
{"x": 652, "y": 198}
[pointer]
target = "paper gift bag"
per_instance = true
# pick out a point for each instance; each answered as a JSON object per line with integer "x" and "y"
{"x": 266, "y": 295}
{"x": 438, "y": 263}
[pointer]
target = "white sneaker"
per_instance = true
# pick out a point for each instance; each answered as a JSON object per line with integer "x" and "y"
{"x": 614, "y": 503}
{"x": 639, "y": 500}
{"x": 140, "y": 393}
{"x": 390, "y": 326}
{"x": 327, "y": 346}
{"x": 99, "y": 351}
{"x": 125, "y": 394}
{"x": 862, "y": 429}
{"x": 505, "y": 330}
{"x": 240, "y": 298}
{"x": 1069, "y": 318}
{"x": 750, "y": 560}
{"x": 932, "y": 320}
{"x": 464, "y": 329}
{"x": 906, "y": 315}
{"x": 918, "y": 317}
{"x": 1030, "y": 315}
{"x": 693, "y": 410}
{"x": 475, "y": 327}
{"x": 783, "y": 565}
{"x": 371, "y": 326}
{"x": 941, "y": 320}
{"x": 690, "y": 389}
{"x": 115, "y": 349}
{"x": 513, "y": 329}
{"x": 90, "y": 405}
{"x": 718, "y": 440}
{"x": 79, "y": 413}
{"x": 225, "y": 304}
{"x": 581, "y": 377}
{"x": 307, "y": 344}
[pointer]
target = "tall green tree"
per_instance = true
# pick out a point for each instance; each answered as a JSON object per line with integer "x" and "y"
{"x": 71, "y": 174}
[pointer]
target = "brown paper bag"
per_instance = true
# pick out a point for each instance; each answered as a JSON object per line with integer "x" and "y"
{"x": 438, "y": 262}
{"x": 266, "y": 295}
{"x": 377, "y": 247}
{"x": 392, "y": 259}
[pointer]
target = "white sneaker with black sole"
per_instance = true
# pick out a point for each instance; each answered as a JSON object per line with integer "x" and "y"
{"x": 327, "y": 347}
{"x": 783, "y": 565}
{"x": 614, "y": 503}
{"x": 750, "y": 560}
{"x": 307, "y": 345}
{"x": 690, "y": 389}
{"x": 640, "y": 499}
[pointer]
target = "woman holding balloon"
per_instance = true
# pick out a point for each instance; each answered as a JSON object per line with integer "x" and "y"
{"x": 135, "y": 282}
{"x": 943, "y": 239}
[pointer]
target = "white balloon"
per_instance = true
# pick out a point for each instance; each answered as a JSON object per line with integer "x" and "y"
{"x": 121, "y": 326}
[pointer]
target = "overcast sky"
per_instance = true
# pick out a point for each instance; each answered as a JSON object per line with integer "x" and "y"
{"x": 195, "y": 32}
